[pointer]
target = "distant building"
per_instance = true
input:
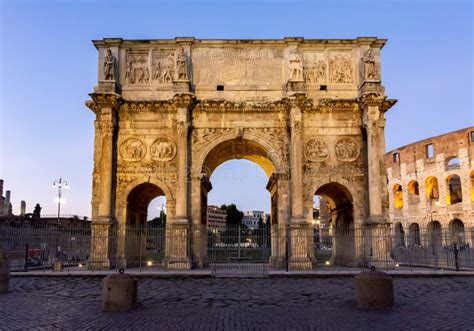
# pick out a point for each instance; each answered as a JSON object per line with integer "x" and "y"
{"x": 5, "y": 204}
{"x": 252, "y": 217}
{"x": 216, "y": 219}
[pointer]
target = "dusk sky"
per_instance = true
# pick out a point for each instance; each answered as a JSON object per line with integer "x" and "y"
{"x": 48, "y": 66}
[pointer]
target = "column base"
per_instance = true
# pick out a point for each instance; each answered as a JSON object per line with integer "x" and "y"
{"x": 177, "y": 264}
{"x": 277, "y": 262}
{"x": 296, "y": 263}
{"x": 98, "y": 266}
{"x": 300, "y": 243}
{"x": 177, "y": 246}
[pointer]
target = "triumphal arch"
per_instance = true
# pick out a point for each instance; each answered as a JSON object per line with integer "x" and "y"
{"x": 310, "y": 112}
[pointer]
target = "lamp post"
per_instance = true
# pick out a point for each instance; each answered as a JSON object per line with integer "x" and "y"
{"x": 60, "y": 184}
{"x": 432, "y": 224}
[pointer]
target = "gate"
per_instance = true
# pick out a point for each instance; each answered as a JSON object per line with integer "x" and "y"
{"x": 239, "y": 251}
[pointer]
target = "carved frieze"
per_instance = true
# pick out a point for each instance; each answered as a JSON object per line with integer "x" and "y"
{"x": 276, "y": 136}
{"x": 149, "y": 168}
{"x": 330, "y": 105}
{"x": 163, "y": 67}
{"x": 208, "y": 134}
{"x": 316, "y": 150}
{"x": 230, "y": 106}
{"x": 147, "y": 106}
{"x": 347, "y": 149}
{"x": 132, "y": 149}
{"x": 137, "y": 71}
{"x": 341, "y": 69}
{"x": 163, "y": 149}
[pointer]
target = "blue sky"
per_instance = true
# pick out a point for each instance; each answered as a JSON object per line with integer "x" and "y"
{"x": 48, "y": 66}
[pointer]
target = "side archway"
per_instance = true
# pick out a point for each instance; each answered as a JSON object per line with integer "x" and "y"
{"x": 340, "y": 210}
{"x": 132, "y": 228}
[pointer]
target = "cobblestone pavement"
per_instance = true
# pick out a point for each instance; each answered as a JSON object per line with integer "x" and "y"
{"x": 237, "y": 304}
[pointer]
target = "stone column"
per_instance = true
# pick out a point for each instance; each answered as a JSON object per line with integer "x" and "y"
{"x": 300, "y": 232}
{"x": 178, "y": 229}
{"x": 373, "y": 107}
{"x": 296, "y": 159}
{"x": 373, "y": 168}
{"x": 200, "y": 187}
{"x": 105, "y": 106}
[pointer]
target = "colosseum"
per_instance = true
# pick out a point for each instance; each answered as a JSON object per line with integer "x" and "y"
{"x": 431, "y": 193}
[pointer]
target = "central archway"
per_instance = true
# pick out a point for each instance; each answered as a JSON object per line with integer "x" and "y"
{"x": 260, "y": 152}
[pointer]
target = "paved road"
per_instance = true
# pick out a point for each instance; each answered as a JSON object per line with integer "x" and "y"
{"x": 237, "y": 304}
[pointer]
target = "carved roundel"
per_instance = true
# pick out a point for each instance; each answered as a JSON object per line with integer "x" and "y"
{"x": 316, "y": 150}
{"x": 132, "y": 149}
{"x": 163, "y": 149}
{"x": 347, "y": 149}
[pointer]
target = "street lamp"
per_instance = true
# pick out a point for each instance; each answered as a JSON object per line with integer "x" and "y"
{"x": 432, "y": 225}
{"x": 60, "y": 184}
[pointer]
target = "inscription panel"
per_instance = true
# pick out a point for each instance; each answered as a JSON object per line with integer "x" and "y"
{"x": 238, "y": 66}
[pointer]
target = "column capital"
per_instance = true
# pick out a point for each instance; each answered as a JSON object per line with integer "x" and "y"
{"x": 104, "y": 100}
{"x": 376, "y": 100}
{"x": 297, "y": 100}
{"x": 184, "y": 100}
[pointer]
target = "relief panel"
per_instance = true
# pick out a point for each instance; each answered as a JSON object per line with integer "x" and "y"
{"x": 315, "y": 68}
{"x": 132, "y": 149}
{"x": 341, "y": 68}
{"x": 137, "y": 71}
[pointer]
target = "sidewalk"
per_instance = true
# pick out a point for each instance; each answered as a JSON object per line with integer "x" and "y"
{"x": 203, "y": 273}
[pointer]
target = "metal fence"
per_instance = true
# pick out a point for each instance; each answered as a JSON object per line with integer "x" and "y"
{"x": 237, "y": 250}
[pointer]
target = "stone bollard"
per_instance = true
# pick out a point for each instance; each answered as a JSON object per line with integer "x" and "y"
{"x": 374, "y": 290}
{"x": 119, "y": 292}
{"x": 4, "y": 272}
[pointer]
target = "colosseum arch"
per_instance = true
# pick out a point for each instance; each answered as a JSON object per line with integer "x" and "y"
{"x": 457, "y": 232}
{"x": 397, "y": 192}
{"x": 413, "y": 192}
{"x": 431, "y": 188}
{"x": 173, "y": 110}
{"x": 454, "y": 189}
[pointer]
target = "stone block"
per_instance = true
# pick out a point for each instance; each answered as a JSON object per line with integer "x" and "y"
{"x": 4, "y": 272}
{"x": 119, "y": 292}
{"x": 374, "y": 290}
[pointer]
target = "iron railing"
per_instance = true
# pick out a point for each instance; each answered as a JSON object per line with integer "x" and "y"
{"x": 237, "y": 250}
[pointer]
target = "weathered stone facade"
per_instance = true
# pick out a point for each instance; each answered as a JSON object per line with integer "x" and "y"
{"x": 431, "y": 186}
{"x": 168, "y": 112}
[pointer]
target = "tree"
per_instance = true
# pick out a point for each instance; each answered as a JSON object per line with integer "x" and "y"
{"x": 234, "y": 216}
{"x": 159, "y": 221}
